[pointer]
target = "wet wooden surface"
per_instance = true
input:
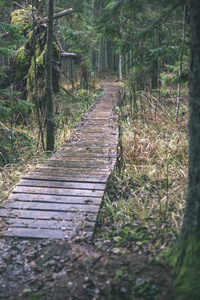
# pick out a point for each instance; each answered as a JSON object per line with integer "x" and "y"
{"x": 61, "y": 198}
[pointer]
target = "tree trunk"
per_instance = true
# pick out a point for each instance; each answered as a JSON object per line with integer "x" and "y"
{"x": 192, "y": 213}
{"x": 120, "y": 67}
{"x": 184, "y": 255}
{"x": 36, "y": 82}
{"x": 120, "y": 55}
{"x": 48, "y": 90}
{"x": 181, "y": 64}
{"x": 100, "y": 56}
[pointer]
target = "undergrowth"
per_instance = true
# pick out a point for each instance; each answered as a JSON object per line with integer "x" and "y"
{"x": 143, "y": 206}
{"x": 20, "y": 149}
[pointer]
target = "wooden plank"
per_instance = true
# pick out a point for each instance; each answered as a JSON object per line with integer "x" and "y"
{"x": 72, "y": 173}
{"x": 58, "y": 184}
{"x": 76, "y": 164}
{"x": 82, "y": 155}
{"x": 74, "y": 170}
{"x": 48, "y": 224}
{"x": 79, "y": 151}
{"x": 85, "y": 145}
{"x": 29, "y": 205}
{"x": 42, "y": 233}
{"x": 54, "y": 191}
{"x": 87, "y": 149}
{"x": 45, "y": 224}
{"x": 73, "y": 156}
{"x": 64, "y": 177}
{"x": 55, "y": 199}
{"x": 47, "y": 215}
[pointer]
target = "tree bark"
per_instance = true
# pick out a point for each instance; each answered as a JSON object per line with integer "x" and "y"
{"x": 48, "y": 89}
{"x": 184, "y": 254}
{"x": 181, "y": 64}
{"x": 192, "y": 212}
{"x": 120, "y": 55}
{"x": 120, "y": 66}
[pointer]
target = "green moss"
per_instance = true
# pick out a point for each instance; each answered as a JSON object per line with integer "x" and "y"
{"x": 183, "y": 257}
{"x": 21, "y": 63}
{"x": 30, "y": 37}
{"x": 22, "y": 19}
{"x": 56, "y": 51}
{"x": 24, "y": 58}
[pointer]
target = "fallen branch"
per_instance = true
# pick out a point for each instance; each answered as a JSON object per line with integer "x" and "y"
{"x": 18, "y": 5}
{"x": 66, "y": 91}
{"x": 61, "y": 70}
{"x": 59, "y": 15}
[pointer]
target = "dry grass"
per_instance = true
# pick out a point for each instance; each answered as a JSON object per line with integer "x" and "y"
{"x": 151, "y": 189}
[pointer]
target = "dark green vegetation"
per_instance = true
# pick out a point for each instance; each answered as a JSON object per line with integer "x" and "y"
{"x": 147, "y": 44}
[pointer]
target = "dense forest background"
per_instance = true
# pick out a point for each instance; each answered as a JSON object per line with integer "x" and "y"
{"x": 146, "y": 44}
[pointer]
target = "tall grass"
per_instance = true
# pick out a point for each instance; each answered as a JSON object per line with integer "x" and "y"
{"x": 144, "y": 203}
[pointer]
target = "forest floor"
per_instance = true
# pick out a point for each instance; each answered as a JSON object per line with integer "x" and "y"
{"x": 80, "y": 269}
{"x": 120, "y": 262}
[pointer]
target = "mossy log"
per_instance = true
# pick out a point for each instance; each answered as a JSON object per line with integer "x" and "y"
{"x": 24, "y": 63}
{"x": 21, "y": 69}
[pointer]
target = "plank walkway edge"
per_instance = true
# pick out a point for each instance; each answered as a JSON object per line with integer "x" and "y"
{"x": 61, "y": 198}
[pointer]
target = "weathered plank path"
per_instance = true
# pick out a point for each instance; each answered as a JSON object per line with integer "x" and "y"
{"x": 61, "y": 197}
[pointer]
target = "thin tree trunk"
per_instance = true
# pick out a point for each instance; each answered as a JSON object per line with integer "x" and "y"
{"x": 41, "y": 135}
{"x": 127, "y": 64}
{"x": 181, "y": 65}
{"x": 48, "y": 69}
{"x": 120, "y": 56}
{"x": 120, "y": 67}
{"x": 100, "y": 56}
{"x": 192, "y": 212}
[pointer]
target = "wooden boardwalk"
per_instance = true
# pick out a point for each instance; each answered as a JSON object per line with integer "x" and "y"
{"x": 61, "y": 198}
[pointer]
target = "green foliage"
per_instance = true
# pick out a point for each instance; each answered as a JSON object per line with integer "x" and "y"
{"x": 38, "y": 295}
{"x": 145, "y": 289}
{"x": 11, "y": 104}
{"x": 140, "y": 287}
{"x": 4, "y": 111}
{"x": 78, "y": 40}
{"x": 78, "y": 32}
{"x": 11, "y": 40}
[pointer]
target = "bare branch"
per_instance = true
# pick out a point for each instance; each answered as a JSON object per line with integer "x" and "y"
{"x": 68, "y": 93}
{"x": 60, "y": 14}
{"x": 18, "y": 5}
